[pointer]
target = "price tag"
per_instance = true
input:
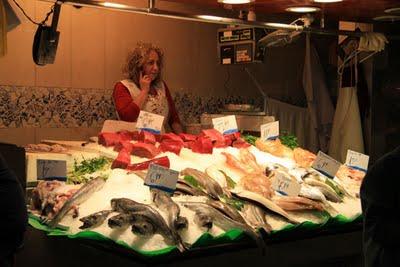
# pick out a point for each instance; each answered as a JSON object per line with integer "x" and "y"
{"x": 161, "y": 178}
{"x": 270, "y": 131}
{"x": 225, "y": 125}
{"x": 150, "y": 122}
{"x": 285, "y": 185}
{"x": 51, "y": 169}
{"x": 326, "y": 165}
{"x": 357, "y": 160}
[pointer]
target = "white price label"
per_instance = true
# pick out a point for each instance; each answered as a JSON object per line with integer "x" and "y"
{"x": 161, "y": 178}
{"x": 270, "y": 131}
{"x": 225, "y": 125}
{"x": 326, "y": 165}
{"x": 51, "y": 169}
{"x": 357, "y": 160}
{"x": 150, "y": 122}
{"x": 285, "y": 185}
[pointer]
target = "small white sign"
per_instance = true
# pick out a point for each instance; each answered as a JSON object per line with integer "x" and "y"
{"x": 227, "y": 33}
{"x": 285, "y": 185}
{"x": 161, "y": 178}
{"x": 326, "y": 165}
{"x": 226, "y": 124}
{"x": 226, "y": 61}
{"x": 116, "y": 126}
{"x": 51, "y": 169}
{"x": 357, "y": 160}
{"x": 270, "y": 131}
{"x": 150, "y": 122}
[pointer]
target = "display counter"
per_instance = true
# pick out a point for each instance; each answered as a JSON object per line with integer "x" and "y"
{"x": 336, "y": 246}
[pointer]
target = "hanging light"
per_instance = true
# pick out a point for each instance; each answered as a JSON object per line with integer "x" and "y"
{"x": 303, "y": 9}
{"x": 327, "y": 1}
{"x": 235, "y": 2}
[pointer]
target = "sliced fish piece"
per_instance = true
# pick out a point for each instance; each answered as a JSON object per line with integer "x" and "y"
{"x": 248, "y": 159}
{"x": 264, "y": 202}
{"x": 163, "y": 201}
{"x": 94, "y": 219}
{"x": 77, "y": 198}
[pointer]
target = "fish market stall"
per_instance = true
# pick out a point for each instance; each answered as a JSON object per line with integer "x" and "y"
{"x": 233, "y": 195}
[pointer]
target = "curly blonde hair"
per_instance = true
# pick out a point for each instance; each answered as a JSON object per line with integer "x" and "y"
{"x": 138, "y": 57}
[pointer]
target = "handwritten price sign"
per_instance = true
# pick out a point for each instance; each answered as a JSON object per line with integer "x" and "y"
{"x": 269, "y": 131}
{"x": 161, "y": 178}
{"x": 326, "y": 165}
{"x": 225, "y": 125}
{"x": 285, "y": 185}
{"x": 150, "y": 122}
{"x": 357, "y": 160}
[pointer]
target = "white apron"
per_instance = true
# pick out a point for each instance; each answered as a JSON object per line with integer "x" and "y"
{"x": 346, "y": 130}
{"x": 157, "y": 104}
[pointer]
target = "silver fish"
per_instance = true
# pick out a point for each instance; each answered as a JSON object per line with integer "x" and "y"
{"x": 125, "y": 205}
{"x": 209, "y": 184}
{"x": 223, "y": 221}
{"x": 325, "y": 189}
{"x": 255, "y": 216}
{"x": 264, "y": 202}
{"x": 163, "y": 201}
{"x": 311, "y": 193}
{"x": 188, "y": 189}
{"x": 143, "y": 228}
{"x": 120, "y": 220}
{"x": 226, "y": 209}
{"x": 203, "y": 220}
{"x": 94, "y": 219}
{"x": 160, "y": 226}
{"x": 79, "y": 197}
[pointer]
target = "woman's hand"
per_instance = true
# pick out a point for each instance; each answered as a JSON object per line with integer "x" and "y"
{"x": 144, "y": 81}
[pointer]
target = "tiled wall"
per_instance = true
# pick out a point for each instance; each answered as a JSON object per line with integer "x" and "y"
{"x": 45, "y": 107}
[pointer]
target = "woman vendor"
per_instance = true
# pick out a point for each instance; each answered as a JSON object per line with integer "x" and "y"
{"x": 144, "y": 88}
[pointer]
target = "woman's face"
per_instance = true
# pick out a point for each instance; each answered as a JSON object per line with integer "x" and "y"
{"x": 152, "y": 65}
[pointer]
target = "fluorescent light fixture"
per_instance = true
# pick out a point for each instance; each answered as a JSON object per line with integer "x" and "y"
{"x": 387, "y": 18}
{"x": 208, "y": 17}
{"x": 394, "y": 11}
{"x": 283, "y": 26}
{"x": 235, "y": 2}
{"x": 116, "y": 5}
{"x": 303, "y": 9}
{"x": 327, "y": 1}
